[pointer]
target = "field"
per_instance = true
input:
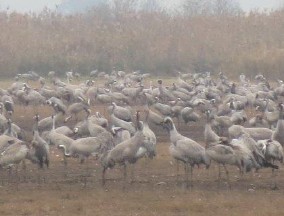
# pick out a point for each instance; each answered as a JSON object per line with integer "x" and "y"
{"x": 160, "y": 44}
{"x": 156, "y": 189}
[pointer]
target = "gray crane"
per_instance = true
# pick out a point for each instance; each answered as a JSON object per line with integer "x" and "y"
{"x": 224, "y": 154}
{"x": 278, "y": 134}
{"x": 85, "y": 147}
{"x": 123, "y": 124}
{"x": 124, "y": 153}
{"x": 75, "y": 108}
{"x": 40, "y": 145}
{"x": 57, "y": 104}
{"x": 185, "y": 149}
{"x": 13, "y": 154}
{"x": 121, "y": 112}
{"x": 209, "y": 134}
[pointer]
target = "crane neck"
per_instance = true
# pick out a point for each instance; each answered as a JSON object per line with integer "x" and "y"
{"x": 53, "y": 123}
{"x": 173, "y": 129}
{"x": 65, "y": 150}
{"x": 9, "y": 128}
{"x": 36, "y": 126}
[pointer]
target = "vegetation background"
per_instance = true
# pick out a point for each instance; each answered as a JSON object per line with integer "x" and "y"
{"x": 209, "y": 36}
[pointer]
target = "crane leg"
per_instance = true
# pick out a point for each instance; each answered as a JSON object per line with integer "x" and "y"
{"x": 24, "y": 167}
{"x": 35, "y": 109}
{"x": 273, "y": 171}
{"x": 65, "y": 168}
{"x": 17, "y": 177}
{"x": 103, "y": 176}
{"x": 10, "y": 174}
{"x": 124, "y": 176}
{"x": 186, "y": 171}
{"x": 87, "y": 166}
{"x": 241, "y": 169}
{"x": 177, "y": 171}
{"x": 227, "y": 174}
{"x": 219, "y": 176}
{"x": 132, "y": 173}
{"x": 191, "y": 175}
{"x": 65, "y": 161}
{"x": 87, "y": 172}
{"x": 274, "y": 175}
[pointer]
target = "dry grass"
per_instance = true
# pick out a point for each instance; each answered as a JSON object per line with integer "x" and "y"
{"x": 157, "y": 202}
{"x": 151, "y": 42}
{"x": 62, "y": 196}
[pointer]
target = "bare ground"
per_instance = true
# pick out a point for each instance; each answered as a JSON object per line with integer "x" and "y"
{"x": 156, "y": 190}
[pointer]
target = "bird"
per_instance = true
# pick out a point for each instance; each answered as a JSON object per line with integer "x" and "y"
{"x": 94, "y": 129}
{"x": 8, "y": 104}
{"x": 10, "y": 130}
{"x": 150, "y": 139}
{"x": 249, "y": 145}
{"x": 189, "y": 115}
{"x": 153, "y": 117}
{"x": 271, "y": 149}
{"x": 45, "y": 124}
{"x": 235, "y": 131}
{"x": 13, "y": 154}
{"x": 164, "y": 109}
{"x": 58, "y": 139}
{"x": 210, "y": 136}
{"x": 258, "y": 121}
{"x": 99, "y": 120}
{"x": 40, "y": 145}
{"x": 185, "y": 149}
{"x": 123, "y": 124}
{"x": 3, "y": 119}
{"x": 85, "y": 147}
{"x": 278, "y": 134}
{"x": 121, "y": 112}
{"x": 225, "y": 154}
{"x": 132, "y": 92}
{"x": 125, "y": 152}
{"x": 119, "y": 134}
{"x": 272, "y": 116}
{"x": 57, "y": 104}
{"x": 94, "y": 73}
{"x": 75, "y": 108}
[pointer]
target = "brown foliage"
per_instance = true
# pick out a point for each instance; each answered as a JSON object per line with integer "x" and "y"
{"x": 150, "y": 41}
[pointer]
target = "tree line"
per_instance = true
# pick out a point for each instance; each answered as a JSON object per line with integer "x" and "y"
{"x": 204, "y": 36}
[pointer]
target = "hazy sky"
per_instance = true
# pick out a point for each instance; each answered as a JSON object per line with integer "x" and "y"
{"x": 259, "y": 4}
{"x": 37, "y": 5}
{"x": 28, "y": 5}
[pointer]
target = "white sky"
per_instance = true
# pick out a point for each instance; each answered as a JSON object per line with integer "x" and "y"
{"x": 260, "y": 4}
{"x": 28, "y": 5}
{"x": 37, "y": 5}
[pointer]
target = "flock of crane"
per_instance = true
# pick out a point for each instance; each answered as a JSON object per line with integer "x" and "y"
{"x": 120, "y": 136}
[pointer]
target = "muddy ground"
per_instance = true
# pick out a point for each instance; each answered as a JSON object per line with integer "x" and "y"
{"x": 156, "y": 189}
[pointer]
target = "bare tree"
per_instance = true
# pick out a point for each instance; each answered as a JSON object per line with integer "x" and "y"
{"x": 197, "y": 7}
{"x": 226, "y": 7}
{"x": 211, "y": 7}
{"x": 124, "y": 5}
{"x": 150, "y": 6}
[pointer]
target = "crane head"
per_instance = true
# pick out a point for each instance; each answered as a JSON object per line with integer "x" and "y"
{"x": 167, "y": 123}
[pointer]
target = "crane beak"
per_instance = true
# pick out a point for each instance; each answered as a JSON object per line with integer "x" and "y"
{"x": 67, "y": 119}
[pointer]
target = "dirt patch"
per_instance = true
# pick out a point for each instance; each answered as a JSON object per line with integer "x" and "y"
{"x": 156, "y": 190}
